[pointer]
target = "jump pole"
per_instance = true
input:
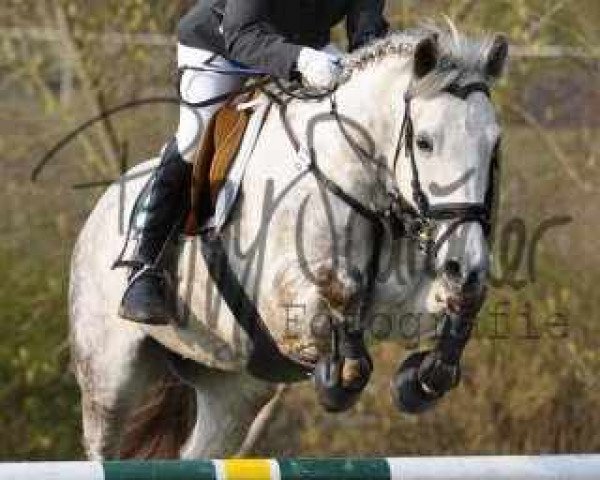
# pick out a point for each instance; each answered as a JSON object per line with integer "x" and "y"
{"x": 545, "y": 467}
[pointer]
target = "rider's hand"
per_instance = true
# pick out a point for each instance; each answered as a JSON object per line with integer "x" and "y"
{"x": 319, "y": 69}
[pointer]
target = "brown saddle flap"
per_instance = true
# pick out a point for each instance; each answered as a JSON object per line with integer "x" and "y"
{"x": 213, "y": 160}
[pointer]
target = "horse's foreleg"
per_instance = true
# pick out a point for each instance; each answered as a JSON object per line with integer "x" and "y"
{"x": 227, "y": 405}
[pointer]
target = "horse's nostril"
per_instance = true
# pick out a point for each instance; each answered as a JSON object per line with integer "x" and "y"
{"x": 453, "y": 270}
{"x": 472, "y": 279}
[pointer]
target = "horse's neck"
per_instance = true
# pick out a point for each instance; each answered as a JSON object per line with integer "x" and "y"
{"x": 374, "y": 99}
{"x": 370, "y": 107}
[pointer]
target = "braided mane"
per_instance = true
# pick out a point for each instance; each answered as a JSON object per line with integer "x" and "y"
{"x": 463, "y": 59}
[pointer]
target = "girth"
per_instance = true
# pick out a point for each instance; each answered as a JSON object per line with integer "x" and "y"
{"x": 266, "y": 361}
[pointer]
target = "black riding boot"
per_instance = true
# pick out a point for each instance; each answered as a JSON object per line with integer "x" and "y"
{"x": 147, "y": 298}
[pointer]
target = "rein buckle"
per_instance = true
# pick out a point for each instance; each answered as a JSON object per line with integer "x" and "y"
{"x": 423, "y": 231}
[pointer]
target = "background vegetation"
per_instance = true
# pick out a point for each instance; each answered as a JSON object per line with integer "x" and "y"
{"x": 529, "y": 386}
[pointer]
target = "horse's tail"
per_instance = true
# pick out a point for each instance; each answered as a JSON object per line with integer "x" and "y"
{"x": 162, "y": 423}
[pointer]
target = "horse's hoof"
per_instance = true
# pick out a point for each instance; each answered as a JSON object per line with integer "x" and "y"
{"x": 356, "y": 373}
{"x": 339, "y": 388}
{"x": 407, "y": 392}
{"x": 438, "y": 375}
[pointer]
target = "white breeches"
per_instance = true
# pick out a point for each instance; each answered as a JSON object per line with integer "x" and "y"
{"x": 196, "y": 87}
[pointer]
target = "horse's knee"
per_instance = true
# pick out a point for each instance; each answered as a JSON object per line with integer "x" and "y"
{"x": 340, "y": 288}
{"x": 309, "y": 302}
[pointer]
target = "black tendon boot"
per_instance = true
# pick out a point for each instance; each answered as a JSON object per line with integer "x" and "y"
{"x": 147, "y": 298}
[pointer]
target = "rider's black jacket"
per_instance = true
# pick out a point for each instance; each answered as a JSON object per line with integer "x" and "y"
{"x": 269, "y": 34}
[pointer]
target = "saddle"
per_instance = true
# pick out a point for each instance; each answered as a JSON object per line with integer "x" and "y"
{"x": 213, "y": 160}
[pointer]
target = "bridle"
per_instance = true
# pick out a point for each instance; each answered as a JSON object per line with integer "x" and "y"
{"x": 423, "y": 217}
{"x": 415, "y": 221}
{"x": 419, "y": 221}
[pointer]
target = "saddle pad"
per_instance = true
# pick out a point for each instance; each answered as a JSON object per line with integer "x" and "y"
{"x": 229, "y": 192}
{"x": 213, "y": 160}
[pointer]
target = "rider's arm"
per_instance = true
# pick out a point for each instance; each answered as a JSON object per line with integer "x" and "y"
{"x": 365, "y": 22}
{"x": 252, "y": 40}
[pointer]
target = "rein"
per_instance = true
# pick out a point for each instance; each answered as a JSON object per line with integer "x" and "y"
{"x": 376, "y": 218}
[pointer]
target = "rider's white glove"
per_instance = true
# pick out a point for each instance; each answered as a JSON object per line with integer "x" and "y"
{"x": 319, "y": 69}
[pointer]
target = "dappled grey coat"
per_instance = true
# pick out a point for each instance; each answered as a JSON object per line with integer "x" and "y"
{"x": 269, "y": 34}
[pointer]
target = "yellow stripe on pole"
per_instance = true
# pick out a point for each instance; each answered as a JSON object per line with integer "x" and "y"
{"x": 247, "y": 469}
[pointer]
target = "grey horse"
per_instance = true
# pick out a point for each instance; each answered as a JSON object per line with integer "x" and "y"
{"x": 184, "y": 390}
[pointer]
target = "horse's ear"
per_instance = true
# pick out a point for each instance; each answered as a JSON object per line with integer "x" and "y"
{"x": 426, "y": 56}
{"x": 497, "y": 56}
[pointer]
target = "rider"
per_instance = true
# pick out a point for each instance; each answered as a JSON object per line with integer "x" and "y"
{"x": 284, "y": 38}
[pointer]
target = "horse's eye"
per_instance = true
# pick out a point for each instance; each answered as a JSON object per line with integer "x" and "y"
{"x": 425, "y": 143}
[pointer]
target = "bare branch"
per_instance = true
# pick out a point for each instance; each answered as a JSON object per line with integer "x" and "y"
{"x": 550, "y": 143}
{"x": 262, "y": 421}
{"x": 462, "y": 11}
{"x": 110, "y": 150}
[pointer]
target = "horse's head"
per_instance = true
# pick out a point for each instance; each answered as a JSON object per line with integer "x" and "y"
{"x": 450, "y": 141}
